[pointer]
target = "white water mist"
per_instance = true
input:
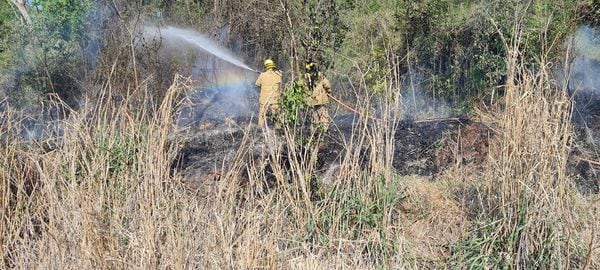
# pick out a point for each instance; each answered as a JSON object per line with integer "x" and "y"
{"x": 223, "y": 87}
{"x": 197, "y": 40}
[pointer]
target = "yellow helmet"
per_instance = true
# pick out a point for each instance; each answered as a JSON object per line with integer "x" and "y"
{"x": 270, "y": 64}
{"x": 311, "y": 66}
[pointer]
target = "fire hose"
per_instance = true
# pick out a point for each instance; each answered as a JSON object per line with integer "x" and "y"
{"x": 352, "y": 109}
{"x": 591, "y": 162}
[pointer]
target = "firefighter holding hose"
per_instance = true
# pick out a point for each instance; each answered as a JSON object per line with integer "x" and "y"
{"x": 319, "y": 88}
{"x": 269, "y": 82}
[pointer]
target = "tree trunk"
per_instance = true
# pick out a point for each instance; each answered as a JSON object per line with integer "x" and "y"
{"x": 21, "y": 5}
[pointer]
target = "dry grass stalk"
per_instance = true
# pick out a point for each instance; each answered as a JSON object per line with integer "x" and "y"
{"x": 530, "y": 218}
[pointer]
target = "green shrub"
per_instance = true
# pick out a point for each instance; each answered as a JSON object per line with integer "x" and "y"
{"x": 48, "y": 56}
{"x": 294, "y": 101}
{"x": 458, "y": 46}
{"x": 7, "y": 22}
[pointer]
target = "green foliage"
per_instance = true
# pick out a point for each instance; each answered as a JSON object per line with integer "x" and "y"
{"x": 473, "y": 251}
{"x": 120, "y": 153}
{"x": 294, "y": 100}
{"x": 368, "y": 42}
{"x": 51, "y": 54}
{"x": 457, "y": 46}
{"x": 320, "y": 28}
{"x": 353, "y": 213}
{"x": 454, "y": 44}
{"x": 60, "y": 20}
{"x": 116, "y": 153}
{"x": 492, "y": 246}
{"x": 548, "y": 23}
{"x": 59, "y": 29}
{"x": 7, "y": 23}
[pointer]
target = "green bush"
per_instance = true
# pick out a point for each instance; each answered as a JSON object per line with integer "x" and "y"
{"x": 48, "y": 55}
{"x": 7, "y": 22}
{"x": 458, "y": 46}
{"x": 294, "y": 101}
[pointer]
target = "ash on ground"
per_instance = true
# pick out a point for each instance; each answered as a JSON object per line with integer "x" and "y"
{"x": 210, "y": 153}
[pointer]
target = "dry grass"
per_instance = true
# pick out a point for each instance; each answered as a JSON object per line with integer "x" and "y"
{"x": 530, "y": 214}
{"x": 106, "y": 195}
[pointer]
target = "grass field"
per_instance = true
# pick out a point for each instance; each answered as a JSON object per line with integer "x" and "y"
{"x": 105, "y": 196}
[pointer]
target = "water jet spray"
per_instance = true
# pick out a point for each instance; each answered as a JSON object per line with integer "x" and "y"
{"x": 197, "y": 40}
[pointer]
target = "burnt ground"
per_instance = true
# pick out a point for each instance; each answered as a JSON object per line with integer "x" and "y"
{"x": 585, "y": 154}
{"x": 421, "y": 148}
{"x": 214, "y": 135}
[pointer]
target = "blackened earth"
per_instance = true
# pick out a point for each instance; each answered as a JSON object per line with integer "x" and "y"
{"x": 426, "y": 148}
{"x": 210, "y": 151}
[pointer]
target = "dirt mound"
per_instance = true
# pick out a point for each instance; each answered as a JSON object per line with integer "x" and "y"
{"x": 469, "y": 144}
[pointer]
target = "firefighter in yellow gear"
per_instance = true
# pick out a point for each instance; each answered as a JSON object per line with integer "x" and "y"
{"x": 319, "y": 88}
{"x": 270, "y": 93}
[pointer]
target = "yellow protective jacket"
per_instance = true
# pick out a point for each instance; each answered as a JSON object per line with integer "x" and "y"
{"x": 318, "y": 95}
{"x": 270, "y": 87}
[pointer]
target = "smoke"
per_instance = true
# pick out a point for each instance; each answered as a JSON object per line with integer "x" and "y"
{"x": 585, "y": 69}
{"x": 584, "y": 72}
{"x": 419, "y": 104}
{"x": 221, "y": 92}
{"x": 71, "y": 50}
{"x": 94, "y": 34}
{"x": 223, "y": 85}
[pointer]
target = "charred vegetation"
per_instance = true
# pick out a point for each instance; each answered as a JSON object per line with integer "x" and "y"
{"x": 464, "y": 135}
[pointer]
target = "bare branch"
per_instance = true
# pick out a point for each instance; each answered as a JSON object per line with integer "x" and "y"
{"x": 21, "y": 6}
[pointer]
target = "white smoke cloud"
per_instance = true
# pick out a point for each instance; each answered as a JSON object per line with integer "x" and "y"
{"x": 417, "y": 102}
{"x": 585, "y": 69}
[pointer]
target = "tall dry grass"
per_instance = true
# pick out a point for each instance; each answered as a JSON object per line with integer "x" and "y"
{"x": 103, "y": 198}
{"x": 530, "y": 213}
{"x": 300, "y": 221}
{"x": 106, "y": 195}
